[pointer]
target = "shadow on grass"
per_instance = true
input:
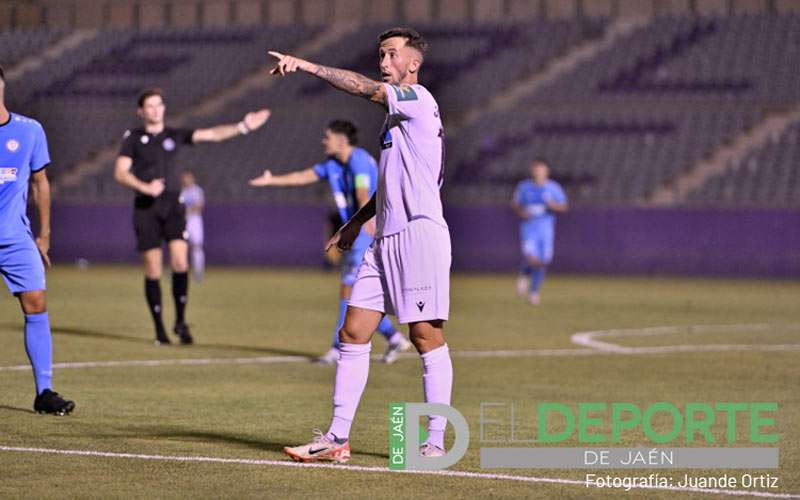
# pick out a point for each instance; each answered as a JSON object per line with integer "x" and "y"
{"x": 180, "y": 433}
{"x": 16, "y": 408}
{"x": 84, "y": 332}
{"x": 96, "y": 334}
{"x": 258, "y": 349}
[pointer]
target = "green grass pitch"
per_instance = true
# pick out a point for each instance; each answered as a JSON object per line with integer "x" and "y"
{"x": 250, "y": 411}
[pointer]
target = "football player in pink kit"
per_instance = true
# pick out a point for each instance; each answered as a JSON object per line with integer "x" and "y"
{"x": 406, "y": 271}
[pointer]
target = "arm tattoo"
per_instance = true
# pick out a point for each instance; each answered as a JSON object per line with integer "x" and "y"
{"x": 351, "y": 82}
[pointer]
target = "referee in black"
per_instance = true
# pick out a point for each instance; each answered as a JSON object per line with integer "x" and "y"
{"x": 147, "y": 164}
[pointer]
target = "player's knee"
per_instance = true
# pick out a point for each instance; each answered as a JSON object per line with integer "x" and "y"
{"x": 535, "y": 261}
{"x": 179, "y": 263}
{"x": 180, "y": 266}
{"x": 355, "y": 330}
{"x": 350, "y": 335}
{"x": 426, "y": 344}
{"x": 152, "y": 273}
{"x": 427, "y": 335}
{"x": 33, "y": 302}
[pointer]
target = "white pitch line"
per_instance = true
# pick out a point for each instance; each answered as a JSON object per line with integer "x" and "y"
{"x": 295, "y": 359}
{"x": 360, "y": 468}
{"x": 590, "y": 339}
{"x": 591, "y": 346}
{"x": 169, "y": 362}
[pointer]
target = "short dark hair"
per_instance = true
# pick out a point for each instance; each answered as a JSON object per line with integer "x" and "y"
{"x": 346, "y": 128}
{"x": 412, "y": 37}
{"x": 148, "y": 93}
{"x": 2, "y": 74}
{"x": 540, "y": 161}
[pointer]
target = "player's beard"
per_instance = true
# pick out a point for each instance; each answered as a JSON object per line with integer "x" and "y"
{"x": 396, "y": 81}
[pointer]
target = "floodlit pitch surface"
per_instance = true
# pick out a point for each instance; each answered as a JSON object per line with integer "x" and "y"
{"x": 244, "y": 391}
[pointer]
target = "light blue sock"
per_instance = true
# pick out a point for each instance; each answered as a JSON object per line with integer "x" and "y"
{"x": 386, "y": 328}
{"x": 339, "y": 322}
{"x": 537, "y": 277}
{"x": 39, "y": 346}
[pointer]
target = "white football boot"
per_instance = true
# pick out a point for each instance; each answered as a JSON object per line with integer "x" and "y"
{"x": 329, "y": 358}
{"x": 394, "y": 350}
{"x": 430, "y": 450}
{"x": 320, "y": 449}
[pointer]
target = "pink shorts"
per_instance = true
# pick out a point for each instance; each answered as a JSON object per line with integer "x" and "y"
{"x": 407, "y": 274}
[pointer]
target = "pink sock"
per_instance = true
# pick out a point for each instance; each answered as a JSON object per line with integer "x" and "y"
{"x": 437, "y": 382}
{"x": 352, "y": 371}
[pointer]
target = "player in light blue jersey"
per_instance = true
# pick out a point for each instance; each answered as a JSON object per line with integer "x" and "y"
{"x": 353, "y": 177}
{"x": 537, "y": 201}
{"x": 23, "y": 160}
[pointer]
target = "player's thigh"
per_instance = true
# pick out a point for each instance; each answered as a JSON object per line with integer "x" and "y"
{"x": 417, "y": 269}
{"x": 179, "y": 255}
{"x": 427, "y": 335}
{"x": 359, "y": 325}
{"x": 22, "y": 268}
{"x": 532, "y": 251}
{"x": 194, "y": 228}
{"x": 153, "y": 262}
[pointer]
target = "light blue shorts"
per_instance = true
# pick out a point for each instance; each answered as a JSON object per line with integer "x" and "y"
{"x": 21, "y": 266}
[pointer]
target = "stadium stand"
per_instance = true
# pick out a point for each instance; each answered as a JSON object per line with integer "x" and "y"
{"x": 767, "y": 177}
{"x": 17, "y": 44}
{"x": 463, "y": 54}
{"x": 185, "y": 63}
{"x": 615, "y": 128}
{"x": 641, "y": 111}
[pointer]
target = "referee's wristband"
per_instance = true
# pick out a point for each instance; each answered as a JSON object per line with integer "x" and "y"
{"x": 243, "y": 129}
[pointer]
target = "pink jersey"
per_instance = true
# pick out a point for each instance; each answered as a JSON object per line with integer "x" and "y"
{"x": 412, "y": 160}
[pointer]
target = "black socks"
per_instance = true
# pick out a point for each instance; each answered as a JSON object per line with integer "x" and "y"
{"x": 180, "y": 292}
{"x": 152, "y": 290}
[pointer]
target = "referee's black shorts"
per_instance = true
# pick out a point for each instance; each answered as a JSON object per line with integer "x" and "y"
{"x": 156, "y": 220}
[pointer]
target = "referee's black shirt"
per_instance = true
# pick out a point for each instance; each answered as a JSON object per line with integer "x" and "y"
{"x": 154, "y": 155}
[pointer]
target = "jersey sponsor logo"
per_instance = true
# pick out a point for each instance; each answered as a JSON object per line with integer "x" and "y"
{"x": 386, "y": 140}
{"x": 169, "y": 144}
{"x": 8, "y": 175}
{"x": 145, "y": 139}
{"x": 536, "y": 210}
{"x": 12, "y": 145}
{"x": 404, "y": 93}
{"x": 420, "y": 305}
